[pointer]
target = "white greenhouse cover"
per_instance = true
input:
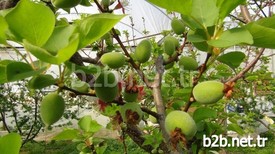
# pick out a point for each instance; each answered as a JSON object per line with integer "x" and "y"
{"x": 143, "y": 14}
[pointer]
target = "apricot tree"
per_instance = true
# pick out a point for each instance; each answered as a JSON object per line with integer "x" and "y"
{"x": 155, "y": 79}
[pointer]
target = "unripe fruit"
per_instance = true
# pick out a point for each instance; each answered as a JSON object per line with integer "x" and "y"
{"x": 152, "y": 118}
{"x": 143, "y": 51}
{"x": 113, "y": 59}
{"x": 178, "y": 26}
{"x": 65, "y": 3}
{"x": 188, "y": 63}
{"x": 131, "y": 113}
{"x": 80, "y": 86}
{"x": 182, "y": 121}
{"x": 130, "y": 97}
{"x": 106, "y": 87}
{"x": 208, "y": 92}
{"x": 52, "y": 108}
{"x": 170, "y": 44}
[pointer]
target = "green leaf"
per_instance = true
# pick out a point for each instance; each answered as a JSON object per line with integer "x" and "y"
{"x": 3, "y": 76}
{"x": 263, "y": 32}
{"x": 31, "y": 21}
{"x": 232, "y": 59}
{"x": 89, "y": 125}
{"x": 68, "y": 134}
{"x": 203, "y": 14}
{"x": 232, "y": 37}
{"x": 63, "y": 54}
{"x": 85, "y": 3}
{"x": 41, "y": 81}
{"x": 10, "y": 143}
{"x": 95, "y": 26}
{"x": 13, "y": 70}
{"x": 191, "y": 22}
{"x": 198, "y": 37}
{"x": 90, "y": 69}
{"x": 19, "y": 70}
{"x": 59, "y": 39}
{"x": 180, "y": 6}
{"x": 236, "y": 128}
{"x": 226, "y": 6}
{"x": 3, "y": 29}
{"x": 204, "y": 113}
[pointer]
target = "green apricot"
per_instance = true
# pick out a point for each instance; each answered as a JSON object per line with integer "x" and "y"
{"x": 170, "y": 44}
{"x": 180, "y": 120}
{"x": 208, "y": 92}
{"x": 131, "y": 113}
{"x": 130, "y": 97}
{"x": 178, "y": 26}
{"x": 143, "y": 51}
{"x": 80, "y": 86}
{"x": 106, "y": 87}
{"x": 113, "y": 59}
{"x": 152, "y": 118}
{"x": 188, "y": 63}
{"x": 52, "y": 108}
{"x": 65, "y": 3}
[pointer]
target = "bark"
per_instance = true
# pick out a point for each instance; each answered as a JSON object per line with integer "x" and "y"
{"x": 6, "y": 4}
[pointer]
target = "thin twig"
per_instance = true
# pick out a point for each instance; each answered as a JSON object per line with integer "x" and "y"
{"x": 34, "y": 123}
{"x": 245, "y": 13}
{"x": 260, "y": 8}
{"x": 3, "y": 118}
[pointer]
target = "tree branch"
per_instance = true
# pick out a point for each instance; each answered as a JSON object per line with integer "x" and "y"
{"x": 245, "y": 13}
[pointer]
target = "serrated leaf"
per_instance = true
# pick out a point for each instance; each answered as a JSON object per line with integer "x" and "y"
{"x": 204, "y": 113}
{"x": 95, "y": 26}
{"x": 62, "y": 55}
{"x": 3, "y": 29}
{"x": 10, "y": 143}
{"x": 263, "y": 32}
{"x": 232, "y": 59}
{"x": 236, "y": 128}
{"x": 232, "y": 37}
{"x": 68, "y": 134}
{"x": 225, "y": 6}
{"x": 89, "y": 125}
{"x": 180, "y": 6}
{"x": 31, "y": 21}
